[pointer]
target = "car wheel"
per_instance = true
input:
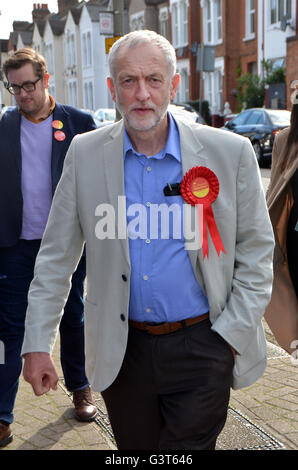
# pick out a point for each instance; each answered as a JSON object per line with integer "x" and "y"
{"x": 258, "y": 152}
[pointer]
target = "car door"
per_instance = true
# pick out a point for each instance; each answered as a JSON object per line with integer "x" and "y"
{"x": 238, "y": 124}
{"x": 255, "y": 125}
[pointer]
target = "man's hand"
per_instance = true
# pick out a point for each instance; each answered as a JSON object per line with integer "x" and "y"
{"x": 40, "y": 372}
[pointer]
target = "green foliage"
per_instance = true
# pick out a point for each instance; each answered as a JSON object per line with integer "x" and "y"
{"x": 273, "y": 75}
{"x": 251, "y": 88}
{"x": 251, "y": 91}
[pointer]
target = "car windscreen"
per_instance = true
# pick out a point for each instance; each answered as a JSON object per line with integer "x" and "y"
{"x": 280, "y": 118}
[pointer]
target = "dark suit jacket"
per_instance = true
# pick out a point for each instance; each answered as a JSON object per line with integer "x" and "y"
{"x": 11, "y": 200}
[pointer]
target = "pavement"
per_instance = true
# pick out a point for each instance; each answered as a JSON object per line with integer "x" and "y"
{"x": 263, "y": 416}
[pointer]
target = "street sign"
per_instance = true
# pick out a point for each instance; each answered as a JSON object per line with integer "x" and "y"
{"x": 109, "y": 42}
{"x": 205, "y": 58}
{"x": 106, "y": 23}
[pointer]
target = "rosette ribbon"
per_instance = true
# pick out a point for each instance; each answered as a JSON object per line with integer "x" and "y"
{"x": 200, "y": 186}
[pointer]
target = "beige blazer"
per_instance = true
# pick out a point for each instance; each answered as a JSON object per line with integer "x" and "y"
{"x": 282, "y": 312}
{"x": 237, "y": 284}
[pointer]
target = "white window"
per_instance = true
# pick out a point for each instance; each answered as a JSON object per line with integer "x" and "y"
{"x": 213, "y": 87}
{"x": 86, "y": 49}
{"x": 137, "y": 21}
{"x": 88, "y": 95}
{"x": 72, "y": 93}
{"x": 182, "y": 95}
{"x": 209, "y": 22}
{"x": 164, "y": 22}
{"x": 179, "y": 11}
{"x": 70, "y": 50}
{"x": 208, "y": 91}
{"x": 250, "y": 13}
{"x": 279, "y": 9}
{"x": 218, "y": 89}
{"x": 184, "y": 88}
{"x": 49, "y": 58}
{"x": 212, "y": 15}
{"x": 218, "y": 19}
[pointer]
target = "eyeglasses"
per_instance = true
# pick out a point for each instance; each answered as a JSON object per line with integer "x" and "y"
{"x": 27, "y": 86}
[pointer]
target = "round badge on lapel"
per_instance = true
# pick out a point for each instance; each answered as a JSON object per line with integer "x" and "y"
{"x": 59, "y": 135}
{"x": 57, "y": 124}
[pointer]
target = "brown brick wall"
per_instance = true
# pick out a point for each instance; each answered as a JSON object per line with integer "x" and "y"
{"x": 194, "y": 34}
{"x": 236, "y": 50}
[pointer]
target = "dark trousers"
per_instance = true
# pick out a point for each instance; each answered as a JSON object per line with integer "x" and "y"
{"x": 16, "y": 274}
{"x": 172, "y": 391}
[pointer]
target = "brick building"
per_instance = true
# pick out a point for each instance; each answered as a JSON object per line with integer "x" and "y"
{"x": 228, "y": 25}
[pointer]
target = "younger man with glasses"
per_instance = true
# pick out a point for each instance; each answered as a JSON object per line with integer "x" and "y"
{"x": 35, "y": 137}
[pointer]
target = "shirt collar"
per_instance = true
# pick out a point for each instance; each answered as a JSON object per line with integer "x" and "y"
{"x": 37, "y": 121}
{"x": 172, "y": 146}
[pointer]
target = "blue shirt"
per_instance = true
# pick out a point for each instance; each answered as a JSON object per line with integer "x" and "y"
{"x": 163, "y": 284}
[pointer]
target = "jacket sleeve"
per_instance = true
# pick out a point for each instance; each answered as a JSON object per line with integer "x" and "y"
{"x": 90, "y": 125}
{"x": 59, "y": 254}
{"x": 253, "y": 270}
{"x": 277, "y": 150}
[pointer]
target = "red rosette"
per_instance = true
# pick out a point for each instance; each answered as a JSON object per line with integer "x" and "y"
{"x": 200, "y": 186}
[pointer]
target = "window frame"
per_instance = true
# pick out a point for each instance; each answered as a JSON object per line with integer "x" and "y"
{"x": 179, "y": 25}
{"x": 275, "y": 13}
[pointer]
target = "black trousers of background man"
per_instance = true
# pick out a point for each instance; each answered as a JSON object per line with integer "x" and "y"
{"x": 172, "y": 391}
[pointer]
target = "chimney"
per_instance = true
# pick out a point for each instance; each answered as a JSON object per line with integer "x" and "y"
{"x": 65, "y": 5}
{"x": 40, "y": 11}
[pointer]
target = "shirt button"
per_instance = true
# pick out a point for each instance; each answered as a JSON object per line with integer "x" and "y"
{"x": 148, "y": 204}
{"x": 147, "y": 240}
{"x": 124, "y": 277}
{"x": 148, "y": 168}
{"x": 122, "y": 316}
{"x": 148, "y": 310}
{"x": 145, "y": 277}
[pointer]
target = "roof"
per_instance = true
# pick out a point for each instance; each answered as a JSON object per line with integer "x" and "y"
{"x": 26, "y": 37}
{"x": 94, "y": 9}
{"x": 57, "y": 23}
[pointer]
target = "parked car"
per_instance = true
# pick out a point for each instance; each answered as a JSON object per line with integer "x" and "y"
{"x": 185, "y": 112}
{"x": 104, "y": 116}
{"x": 260, "y": 125}
{"x": 191, "y": 109}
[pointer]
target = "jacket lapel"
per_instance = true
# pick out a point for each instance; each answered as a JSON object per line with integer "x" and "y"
{"x": 114, "y": 173}
{"x": 279, "y": 181}
{"x": 191, "y": 154}
{"x": 59, "y": 148}
{"x": 15, "y": 136}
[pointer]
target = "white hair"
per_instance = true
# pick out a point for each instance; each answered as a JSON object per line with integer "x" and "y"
{"x": 136, "y": 38}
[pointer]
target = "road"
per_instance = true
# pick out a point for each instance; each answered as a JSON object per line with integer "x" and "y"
{"x": 265, "y": 173}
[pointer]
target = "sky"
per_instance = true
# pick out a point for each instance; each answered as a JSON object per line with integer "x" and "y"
{"x": 19, "y": 10}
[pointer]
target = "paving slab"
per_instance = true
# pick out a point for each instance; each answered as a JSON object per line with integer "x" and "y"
{"x": 263, "y": 416}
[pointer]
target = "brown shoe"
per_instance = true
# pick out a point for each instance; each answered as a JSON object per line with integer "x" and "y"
{"x": 5, "y": 435}
{"x": 85, "y": 408}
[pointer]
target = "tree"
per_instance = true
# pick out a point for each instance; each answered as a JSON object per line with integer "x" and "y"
{"x": 273, "y": 74}
{"x": 251, "y": 91}
{"x": 251, "y": 88}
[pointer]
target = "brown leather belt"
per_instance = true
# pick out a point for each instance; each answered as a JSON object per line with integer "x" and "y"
{"x": 166, "y": 328}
